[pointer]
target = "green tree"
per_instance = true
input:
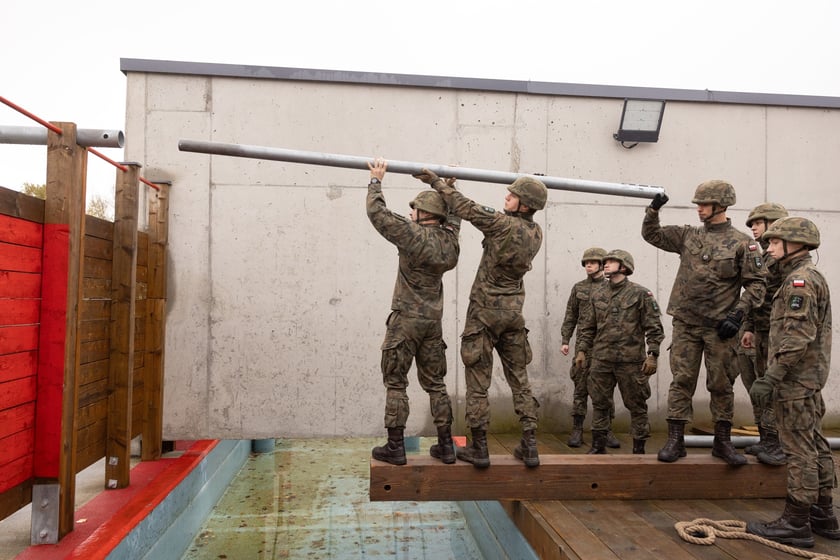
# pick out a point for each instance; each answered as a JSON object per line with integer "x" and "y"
{"x": 99, "y": 207}
{"x": 39, "y": 191}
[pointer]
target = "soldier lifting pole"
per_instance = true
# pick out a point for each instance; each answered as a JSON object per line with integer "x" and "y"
{"x": 412, "y": 168}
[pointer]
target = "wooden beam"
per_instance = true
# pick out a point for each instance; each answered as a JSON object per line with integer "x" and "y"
{"x": 576, "y": 477}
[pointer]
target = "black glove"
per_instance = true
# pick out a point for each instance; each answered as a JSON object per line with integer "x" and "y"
{"x": 659, "y": 201}
{"x": 426, "y": 176}
{"x": 729, "y": 326}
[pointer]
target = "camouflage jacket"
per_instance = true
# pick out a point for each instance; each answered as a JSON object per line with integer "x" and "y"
{"x": 716, "y": 261}
{"x": 576, "y": 306}
{"x": 623, "y": 316}
{"x": 510, "y": 244}
{"x": 799, "y": 350}
{"x": 425, "y": 253}
{"x": 759, "y": 319}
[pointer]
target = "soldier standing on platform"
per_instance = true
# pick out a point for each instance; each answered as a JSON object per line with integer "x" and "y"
{"x": 592, "y": 262}
{"x": 799, "y": 361}
{"x": 494, "y": 316}
{"x": 754, "y": 336}
{"x": 707, "y": 305}
{"x": 622, "y": 317}
{"x": 428, "y": 246}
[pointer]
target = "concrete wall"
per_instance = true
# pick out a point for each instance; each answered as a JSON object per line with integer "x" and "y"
{"x": 279, "y": 286}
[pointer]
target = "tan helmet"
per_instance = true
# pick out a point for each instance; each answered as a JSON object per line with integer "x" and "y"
{"x": 623, "y": 257}
{"x": 431, "y": 202}
{"x": 770, "y": 211}
{"x": 531, "y": 192}
{"x": 593, "y": 254}
{"x": 795, "y": 229}
{"x": 714, "y": 192}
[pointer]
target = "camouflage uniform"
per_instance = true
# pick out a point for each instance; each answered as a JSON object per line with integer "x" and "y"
{"x": 799, "y": 362}
{"x": 494, "y": 315}
{"x": 716, "y": 262}
{"x": 414, "y": 325}
{"x": 623, "y": 315}
{"x": 576, "y": 306}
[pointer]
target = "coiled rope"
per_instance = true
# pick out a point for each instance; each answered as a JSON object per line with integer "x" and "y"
{"x": 705, "y": 531}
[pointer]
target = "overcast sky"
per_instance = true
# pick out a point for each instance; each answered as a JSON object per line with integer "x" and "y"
{"x": 61, "y": 60}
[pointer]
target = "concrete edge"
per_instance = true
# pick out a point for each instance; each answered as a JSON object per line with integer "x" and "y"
{"x": 494, "y": 531}
{"x": 168, "y": 529}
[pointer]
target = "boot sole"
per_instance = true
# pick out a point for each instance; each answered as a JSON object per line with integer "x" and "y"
{"x": 445, "y": 459}
{"x": 529, "y": 461}
{"x": 754, "y": 528}
{"x": 833, "y": 534}
{"x": 728, "y": 462}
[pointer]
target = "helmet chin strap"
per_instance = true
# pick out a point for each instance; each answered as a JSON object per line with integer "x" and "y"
{"x": 716, "y": 210}
{"x": 787, "y": 255}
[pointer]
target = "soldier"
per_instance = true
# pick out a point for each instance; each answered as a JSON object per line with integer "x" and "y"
{"x": 622, "y": 316}
{"x": 754, "y": 338}
{"x": 797, "y": 370}
{"x": 707, "y": 306}
{"x": 592, "y": 262}
{"x": 494, "y": 316}
{"x": 428, "y": 246}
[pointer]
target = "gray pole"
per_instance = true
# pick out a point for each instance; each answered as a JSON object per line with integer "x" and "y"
{"x": 87, "y": 137}
{"x": 412, "y": 168}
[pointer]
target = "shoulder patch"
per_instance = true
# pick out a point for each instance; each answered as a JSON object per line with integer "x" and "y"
{"x": 488, "y": 209}
{"x": 798, "y": 283}
{"x": 753, "y": 247}
{"x": 795, "y": 302}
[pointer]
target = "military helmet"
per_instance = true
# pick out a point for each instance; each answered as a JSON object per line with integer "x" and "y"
{"x": 531, "y": 192}
{"x": 795, "y": 229}
{"x": 623, "y": 257}
{"x": 431, "y": 202}
{"x": 770, "y": 211}
{"x": 593, "y": 254}
{"x": 714, "y": 192}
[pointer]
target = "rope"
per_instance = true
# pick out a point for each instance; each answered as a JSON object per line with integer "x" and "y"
{"x": 705, "y": 531}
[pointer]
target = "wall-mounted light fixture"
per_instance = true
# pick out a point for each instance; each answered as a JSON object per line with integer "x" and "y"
{"x": 641, "y": 120}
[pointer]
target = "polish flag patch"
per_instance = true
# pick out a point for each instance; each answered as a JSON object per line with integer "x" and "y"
{"x": 798, "y": 283}
{"x": 753, "y": 247}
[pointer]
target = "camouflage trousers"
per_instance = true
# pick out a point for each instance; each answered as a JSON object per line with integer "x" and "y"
{"x": 504, "y": 330}
{"x": 421, "y": 340}
{"x": 691, "y": 344}
{"x": 754, "y": 370}
{"x": 634, "y": 387}
{"x": 580, "y": 396}
{"x": 799, "y": 413}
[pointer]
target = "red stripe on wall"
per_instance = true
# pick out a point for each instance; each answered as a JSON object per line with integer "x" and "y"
{"x": 19, "y": 258}
{"x": 20, "y": 364}
{"x": 18, "y": 339}
{"x": 20, "y": 232}
{"x": 19, "y": 284}
{"x": 15, "y": 473}
{"x": 17, "y": 393}
{"x": 51, "y": 354}
{"x": 17, "y": 419}
{"x": 19, "y": 311}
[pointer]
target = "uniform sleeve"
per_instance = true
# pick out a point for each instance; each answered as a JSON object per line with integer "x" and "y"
{"x": 667, "y": 238}
{"x": 571, "y": 318}
{"x": 753, "y": 279}
{"x": 799, "y": 319}
{"x": 587, "y": 327}
{"x": 486, "y": 219}
{"x": 393, "y": 227}
{"x": 652, "y": 323}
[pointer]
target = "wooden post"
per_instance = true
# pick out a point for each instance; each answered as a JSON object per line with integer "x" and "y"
{"x": 58, "y": 356}
{"x": 156, "y": 323}
{"x": 121, "y": 362}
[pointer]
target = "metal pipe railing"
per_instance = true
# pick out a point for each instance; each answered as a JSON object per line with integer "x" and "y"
{"x": 412, "y": 168}
{"x": 85, "y": 137}
{"x": 740, "y": 441}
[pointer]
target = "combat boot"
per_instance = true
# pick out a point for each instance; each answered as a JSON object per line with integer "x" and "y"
{"x": 772, "y": 453}
{"x": 599, "y": 443}
{"x": 638, "y": 446}
{"x": 756, "y": 447}
{"x": 722, "y": 446}
{"x": 612, "y": 441}
{"x": 576, "y": 435}
{"x": 674, "y": 448}
{"x": 823, "y": 520}
{"x": 526, "y": 451}
{"x": 394, "y": 451}
{"x": 476, "y": 453}
{"x": 444, "y": 449}
{"x": 792, "y": 528}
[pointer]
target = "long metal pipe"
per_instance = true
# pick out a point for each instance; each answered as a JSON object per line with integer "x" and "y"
{"x": 740, "y": 441}
{"x": 411, "y": 168}
{"x": 86, "y": 137}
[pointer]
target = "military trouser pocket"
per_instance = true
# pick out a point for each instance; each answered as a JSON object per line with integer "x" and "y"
{"x": 396, "y": 359}
{"x": 472, "y": 347}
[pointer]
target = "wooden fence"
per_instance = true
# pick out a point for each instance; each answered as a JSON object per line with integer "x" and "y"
{"x": 82, "y": 305}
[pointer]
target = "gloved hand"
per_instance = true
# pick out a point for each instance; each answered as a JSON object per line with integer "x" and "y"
{"x": 580, "y": 359}
{"x": 729, "y": 326}
{"x": 649, "y": 367}
{"x": 761, "y": 392}
{"x": 426, "y": 176}
{"x": 659, "y": 201}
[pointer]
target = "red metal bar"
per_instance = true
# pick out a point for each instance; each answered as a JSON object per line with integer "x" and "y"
{"x": 120, "y": 166}
{"x": 144, "y": 180}
{"x": 23, "y": 111}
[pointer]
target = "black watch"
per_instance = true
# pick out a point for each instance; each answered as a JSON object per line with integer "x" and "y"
{"x": 375, "y": 181}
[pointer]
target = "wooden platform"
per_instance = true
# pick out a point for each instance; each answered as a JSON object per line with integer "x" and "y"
{"x": 635, "y": 529}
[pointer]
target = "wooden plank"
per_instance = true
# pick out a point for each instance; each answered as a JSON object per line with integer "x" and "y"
{"x": 16, "y": 472}
{"x": 19, "y": 284}
{"x": 17, "y": 392}
{"x": 546, "y": 540}
{"x": 98, "y": 248}
{"x": 99, "y": 228}
{"x": 18, "y": 258}
{"x": 19, "y": 205}
{"x": 17, "y": 419}
{"x": 17, "y": 445}
{"x": 12, "y": 499}
{"x": 18, "y": 365}
{"x": 96, "y": 288}
{"x": 97, "y": 268}
{"x": 18, "y": 338}
{"x": 21, "y": 232}
{"x": 575, "y": 477}
{"x": 19, "y": 311}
